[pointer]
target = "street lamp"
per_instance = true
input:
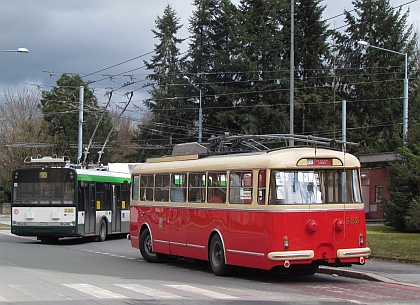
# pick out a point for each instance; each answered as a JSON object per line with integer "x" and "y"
{"x": 200, "y": 112}
{"x": 20, "y": 50}
{"x": 405, "y": 101}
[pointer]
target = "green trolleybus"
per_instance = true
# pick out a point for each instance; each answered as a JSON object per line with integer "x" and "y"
{"x": 54, "y": 200}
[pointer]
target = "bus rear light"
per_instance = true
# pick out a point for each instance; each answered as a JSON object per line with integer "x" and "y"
{"x": 286, "y": 264}
{"x": 361, "y": 240}
{"x": 286, "y": 242}
{"x": 362, "y": 260}
{"x": 311, "y": 225}
{"x": 338, "y": 225}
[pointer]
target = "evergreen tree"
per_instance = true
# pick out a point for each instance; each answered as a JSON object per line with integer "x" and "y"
{"x": 212, "y": 28}
{"x": 172, "y": 117}
{"x": 313, "y": 99}
{"x": 61, "y": 115}
{"x": 371, "y": 80}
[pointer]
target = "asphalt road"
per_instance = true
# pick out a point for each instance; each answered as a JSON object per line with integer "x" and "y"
{"x": 75, "y": 271}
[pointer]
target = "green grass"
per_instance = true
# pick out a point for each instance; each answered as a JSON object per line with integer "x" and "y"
{"x": 387, "y": 244}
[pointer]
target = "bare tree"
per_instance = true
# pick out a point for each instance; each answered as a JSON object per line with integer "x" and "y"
{"x": 21, "y": 132}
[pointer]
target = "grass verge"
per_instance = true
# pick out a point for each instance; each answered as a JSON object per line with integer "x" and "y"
{"x": 387, "y": 244}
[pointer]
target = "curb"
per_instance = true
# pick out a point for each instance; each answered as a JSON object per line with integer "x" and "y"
{"x": 361, "y": 276}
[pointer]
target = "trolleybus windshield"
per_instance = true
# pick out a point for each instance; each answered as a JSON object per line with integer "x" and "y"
{"x": 315, "y": 187}
{"x": 44, "y": 187}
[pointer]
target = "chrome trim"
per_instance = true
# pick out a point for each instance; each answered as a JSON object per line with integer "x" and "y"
{"x": 353, "y": 252}
{"x": 161, "y": 241}
{"x": 177, "y": 244}
{"x": 246, "y": 253}
{"x": 196, "y": 246}
{"x": 291, "y": 255}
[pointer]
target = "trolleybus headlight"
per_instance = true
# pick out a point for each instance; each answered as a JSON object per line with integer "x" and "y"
{"x": 338, "y": 225}
{"x": 286, "y": 242}
{"x": 361, "y": 240}
{"x": 311, "y": 225}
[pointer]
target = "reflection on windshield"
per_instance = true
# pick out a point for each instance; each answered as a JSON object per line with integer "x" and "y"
{"x": 44, "y": 193}
{"x": 314, "y": 187}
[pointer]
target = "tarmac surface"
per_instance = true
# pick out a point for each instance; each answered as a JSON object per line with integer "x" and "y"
{"x": 373, "y": 270}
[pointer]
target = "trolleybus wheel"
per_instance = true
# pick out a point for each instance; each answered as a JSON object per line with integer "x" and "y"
{"x": 217, "y": 257}
{"x": 146, "y": 248}
{"x": 102, "y": 231}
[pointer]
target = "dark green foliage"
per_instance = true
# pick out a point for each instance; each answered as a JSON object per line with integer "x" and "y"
{"x": 61, "y": 116}
{"x": 172, "y": 114}
{"x": 371, "y": 80}
{"x": 402, "y": 210}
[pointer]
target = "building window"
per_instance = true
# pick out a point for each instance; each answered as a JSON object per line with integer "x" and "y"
{"x": 378, "y": 193}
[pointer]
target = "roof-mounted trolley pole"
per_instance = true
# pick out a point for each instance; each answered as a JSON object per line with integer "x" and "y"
{"x": 251, "y": 143}
{"x": 100, "y": 120}
{"x": 100, "y": 153}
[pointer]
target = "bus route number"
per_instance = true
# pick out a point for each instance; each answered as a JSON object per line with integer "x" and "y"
{"x": 68, "y": 210}
{"x": 352, "y": 220}
{"x": 43, "y": 175}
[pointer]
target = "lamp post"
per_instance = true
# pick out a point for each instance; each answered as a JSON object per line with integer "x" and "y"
{"x": 405, "y": 99}
{"x": 200, "y": 112}
{"x": 20, "y": 50}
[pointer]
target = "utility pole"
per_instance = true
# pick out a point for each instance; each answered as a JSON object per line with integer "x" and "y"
{"x": 80, "y": 138}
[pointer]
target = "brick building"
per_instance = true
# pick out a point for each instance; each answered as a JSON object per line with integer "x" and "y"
{"x": 375, "y": 179}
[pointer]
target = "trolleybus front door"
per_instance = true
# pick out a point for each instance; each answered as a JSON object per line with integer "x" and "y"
{"x": 90, "y": 211}
{"x": 116, "y": 208}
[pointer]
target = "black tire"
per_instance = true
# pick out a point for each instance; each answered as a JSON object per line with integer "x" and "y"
{"x": 302, "y": 270}
{"x": 102, "y": 231}
{"x": 146, "y": 248}
{"x": 217, "y": 257}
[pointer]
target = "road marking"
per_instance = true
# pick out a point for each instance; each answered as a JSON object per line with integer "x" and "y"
{"x": 97, "y": 292}
{"x": 203, "y": 292}
{"x": 2, "y": 299}
{"x": 149, "y": 291}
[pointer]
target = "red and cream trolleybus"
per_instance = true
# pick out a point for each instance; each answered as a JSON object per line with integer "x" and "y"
{"x": 297, "y": 208}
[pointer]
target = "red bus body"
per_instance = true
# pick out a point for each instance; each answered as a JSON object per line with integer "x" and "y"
{"x": 256, "y": 234}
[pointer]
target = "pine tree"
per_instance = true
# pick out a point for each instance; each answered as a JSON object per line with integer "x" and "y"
{"x": 371, "y": 80}
{"x": 171, "y": 121}
{"x": 313, "y": 98}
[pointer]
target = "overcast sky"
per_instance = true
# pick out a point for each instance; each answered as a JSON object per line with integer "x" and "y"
{"x": 85, "y": 36}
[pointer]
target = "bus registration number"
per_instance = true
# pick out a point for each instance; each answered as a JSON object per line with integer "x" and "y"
{"x": 352, "y": 220}
{"x": 68, "y": 210}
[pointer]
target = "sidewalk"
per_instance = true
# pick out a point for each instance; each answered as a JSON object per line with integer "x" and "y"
{"x": 382, "y": 271}
{"x": 5, "y": 219}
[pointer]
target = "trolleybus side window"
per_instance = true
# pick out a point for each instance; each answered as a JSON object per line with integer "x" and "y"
{"x": 179, "y": 187}
{"x": 146, "y": 187}
{"x": 162, "y": 187}
{"x": 240, "y": 187}
{"x": 135, "y": 188}
{"x": 216, "y": 185}
{"x": 196, "y": 187}
{"x": 261, "y": 187}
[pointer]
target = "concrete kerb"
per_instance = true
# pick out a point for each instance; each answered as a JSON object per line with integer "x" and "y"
{"x": 361, "y": 276}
